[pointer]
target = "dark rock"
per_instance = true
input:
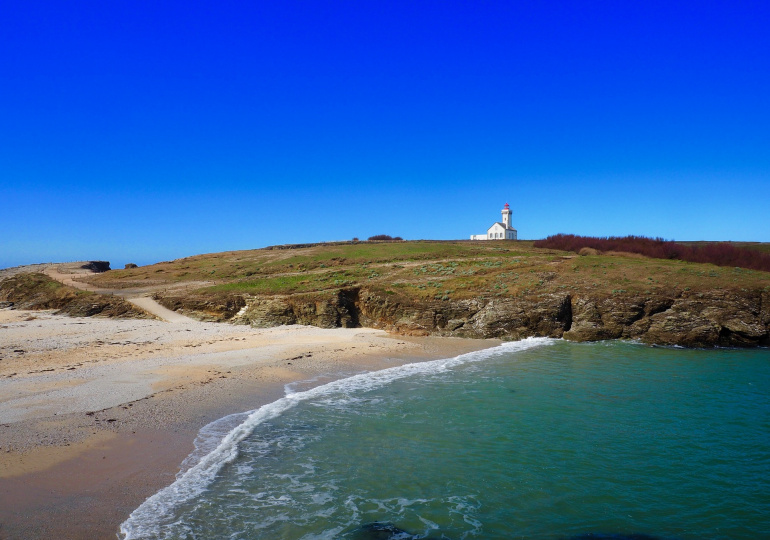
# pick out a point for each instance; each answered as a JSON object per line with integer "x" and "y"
{"x": 131, "y": 265}
{"x": 384, "y": 531}
{"x": 97, "y": 266}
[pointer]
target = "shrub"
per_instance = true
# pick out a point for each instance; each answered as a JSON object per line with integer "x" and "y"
{"x": 385, "y": 237}
{"x": 718, "y": 253}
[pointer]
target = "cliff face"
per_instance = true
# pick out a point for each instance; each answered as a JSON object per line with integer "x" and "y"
{"x": 219, "y": 307}
{"x": 716, "y": 318}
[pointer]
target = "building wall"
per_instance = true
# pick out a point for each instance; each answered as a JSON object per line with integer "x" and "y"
{"x": 496, "y": 232}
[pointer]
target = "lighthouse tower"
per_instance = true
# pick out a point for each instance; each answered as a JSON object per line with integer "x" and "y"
{"x": 507, "y": 217}
{"x": 498, "y": 230}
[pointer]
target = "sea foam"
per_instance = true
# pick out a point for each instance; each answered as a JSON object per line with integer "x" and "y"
{"x": 199, "y": 471}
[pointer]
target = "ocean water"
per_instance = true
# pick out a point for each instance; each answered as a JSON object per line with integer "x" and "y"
{"x": 537, "y": 439}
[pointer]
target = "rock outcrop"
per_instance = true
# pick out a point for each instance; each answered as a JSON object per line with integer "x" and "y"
{"x": 332, "y": 310}
{"x": 97, "y": 266}
{"x": 717, "y": 318}
{"x": 713, "y": 318}
{"x": 210, "y": 307}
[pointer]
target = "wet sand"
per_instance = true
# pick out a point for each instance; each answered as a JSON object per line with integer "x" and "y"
{"x": 96, "y": 414}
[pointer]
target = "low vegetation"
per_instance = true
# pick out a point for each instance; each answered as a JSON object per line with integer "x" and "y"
{"x": 385, "y": 237}
{"x": 717, "y": 253}
{"x": 429, "y": 270}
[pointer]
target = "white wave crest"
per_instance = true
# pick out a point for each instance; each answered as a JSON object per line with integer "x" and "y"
{"x": 147, "y": 520}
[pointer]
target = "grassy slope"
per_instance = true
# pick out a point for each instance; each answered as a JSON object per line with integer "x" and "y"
{"x": 38, "y": 291}
{"x": 442, "y": 270}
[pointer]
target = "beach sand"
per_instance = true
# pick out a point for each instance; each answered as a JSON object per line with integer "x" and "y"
{"x": 97, "y": 414}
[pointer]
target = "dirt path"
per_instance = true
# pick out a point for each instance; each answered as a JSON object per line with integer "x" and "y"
{"x": 140, "y": 300}
{"x": 150, "y": 305}
{"x": 68, "y": 278}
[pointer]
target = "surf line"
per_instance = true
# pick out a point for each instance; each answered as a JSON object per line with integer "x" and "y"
{"x": 147, "y": 520}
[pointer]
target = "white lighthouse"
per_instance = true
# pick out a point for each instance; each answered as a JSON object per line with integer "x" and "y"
{"x": 499, "y": 230}
{"x": 507, "y": 216}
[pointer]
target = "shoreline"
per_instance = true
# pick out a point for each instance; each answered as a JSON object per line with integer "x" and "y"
{"x": 79, "y": 474}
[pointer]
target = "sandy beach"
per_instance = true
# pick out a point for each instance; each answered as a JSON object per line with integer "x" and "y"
{"x": 97, "y": 414}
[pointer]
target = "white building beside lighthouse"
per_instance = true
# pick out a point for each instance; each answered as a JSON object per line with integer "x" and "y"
{"x": 499, "y": 230}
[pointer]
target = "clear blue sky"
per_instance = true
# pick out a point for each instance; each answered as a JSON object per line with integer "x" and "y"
{"x": 145, "y": 131}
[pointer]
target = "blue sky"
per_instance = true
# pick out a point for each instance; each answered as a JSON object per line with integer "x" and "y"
{"x": 147, "y": 131}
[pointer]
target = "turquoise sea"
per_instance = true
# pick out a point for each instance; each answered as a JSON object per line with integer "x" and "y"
{"x": 539, "y": 438}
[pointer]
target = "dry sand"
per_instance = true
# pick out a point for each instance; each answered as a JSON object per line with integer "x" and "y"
{"x": 97, "y": 414}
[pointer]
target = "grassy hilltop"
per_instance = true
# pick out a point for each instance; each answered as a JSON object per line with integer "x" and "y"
{"x": 431, "y": 270}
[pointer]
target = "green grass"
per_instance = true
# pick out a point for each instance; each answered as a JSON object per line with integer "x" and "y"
{"x": 423, "y": 269}
{"x": 289, "y": 284}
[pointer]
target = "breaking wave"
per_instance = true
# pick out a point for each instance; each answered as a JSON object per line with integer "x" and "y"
{"x": 217, "y": 443}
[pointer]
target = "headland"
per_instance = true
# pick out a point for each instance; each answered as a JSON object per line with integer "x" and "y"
{"x": 107, "y": 377}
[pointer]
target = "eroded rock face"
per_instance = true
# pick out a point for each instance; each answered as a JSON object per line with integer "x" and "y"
{"x": 496, "y": 318}
{"x": 764, "y": 312}
{"x": 329, "y": 311}
{"x": 707, "y": 319}
{"x": 587, "y": 322}
{"x": 515, "y": 319}
{"x": 716, "y": 318}
{"x": 219, "y": 307}
{"x": 613, "y": 317}
{"x": 388, "y": 312}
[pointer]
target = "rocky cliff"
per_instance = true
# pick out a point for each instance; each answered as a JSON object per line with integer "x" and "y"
{"x": 716, "y": 318}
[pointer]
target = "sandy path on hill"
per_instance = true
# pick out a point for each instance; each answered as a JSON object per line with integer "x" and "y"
{"x": 68, "y": 275}
{"x": 150, "y": 305}
{"x": 97, "y": 414}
